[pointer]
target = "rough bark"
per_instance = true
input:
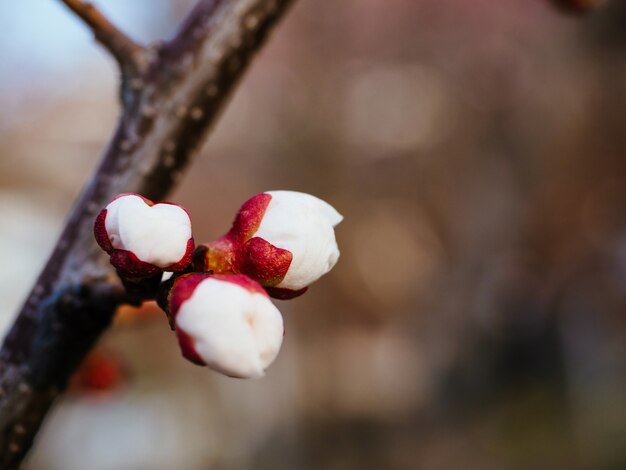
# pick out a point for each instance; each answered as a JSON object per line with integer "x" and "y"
{"x": 171, "y": 95}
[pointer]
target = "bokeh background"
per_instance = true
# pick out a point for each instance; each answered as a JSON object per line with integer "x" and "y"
{"x": 476, "y": 319}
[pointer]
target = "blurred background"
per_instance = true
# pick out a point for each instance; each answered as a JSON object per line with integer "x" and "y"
{"x": 477, "y": 316}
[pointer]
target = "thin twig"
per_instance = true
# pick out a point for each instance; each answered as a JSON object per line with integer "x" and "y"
{"x": 127, "y": 53}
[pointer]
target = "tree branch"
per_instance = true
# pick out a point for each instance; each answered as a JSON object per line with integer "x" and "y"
{"x": 175, "y": 101}
{"x": 128, "y": 54}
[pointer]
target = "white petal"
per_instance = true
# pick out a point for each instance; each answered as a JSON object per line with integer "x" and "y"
{"x": 156, "y": 235}
{"x": 315, "y": 203}
{"x": 234, "y": 331}
{"x": 302, "y": 224}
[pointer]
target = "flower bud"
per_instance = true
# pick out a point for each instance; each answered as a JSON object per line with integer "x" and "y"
{"x": 226, "y": 322}
{"x": 285, "y": 240}
{"x": 144, "y": 238}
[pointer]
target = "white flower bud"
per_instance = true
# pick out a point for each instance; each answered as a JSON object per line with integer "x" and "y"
{"x": 139, "y": 231}
{"x": 226, "y": 322}
{"x": 304, "y": 225}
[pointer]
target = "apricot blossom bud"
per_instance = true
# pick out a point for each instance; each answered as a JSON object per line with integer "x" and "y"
{"x": 144, "y": 238}
{"x": 226, "y": 322}
{"x": 285, "y": 240}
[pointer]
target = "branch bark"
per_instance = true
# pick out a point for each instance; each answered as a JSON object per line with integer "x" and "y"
{"x": 169, "y": 106}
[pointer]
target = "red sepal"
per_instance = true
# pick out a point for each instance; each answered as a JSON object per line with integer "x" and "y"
{"x": 264, "y": 262}
{"x": 249, "y": 217}
{"x": 130, "y": 266}
{"x": 281, "y": 293}
{"x": 186, "y": 347}
{"x": 100, "y": 232}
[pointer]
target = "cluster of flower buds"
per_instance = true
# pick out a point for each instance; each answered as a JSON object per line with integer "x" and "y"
{"x": 219, "y": 303}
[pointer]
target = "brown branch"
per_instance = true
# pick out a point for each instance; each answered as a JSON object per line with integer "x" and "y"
{"x": 175, "y": 101}
{"x": 127, "y": 53}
